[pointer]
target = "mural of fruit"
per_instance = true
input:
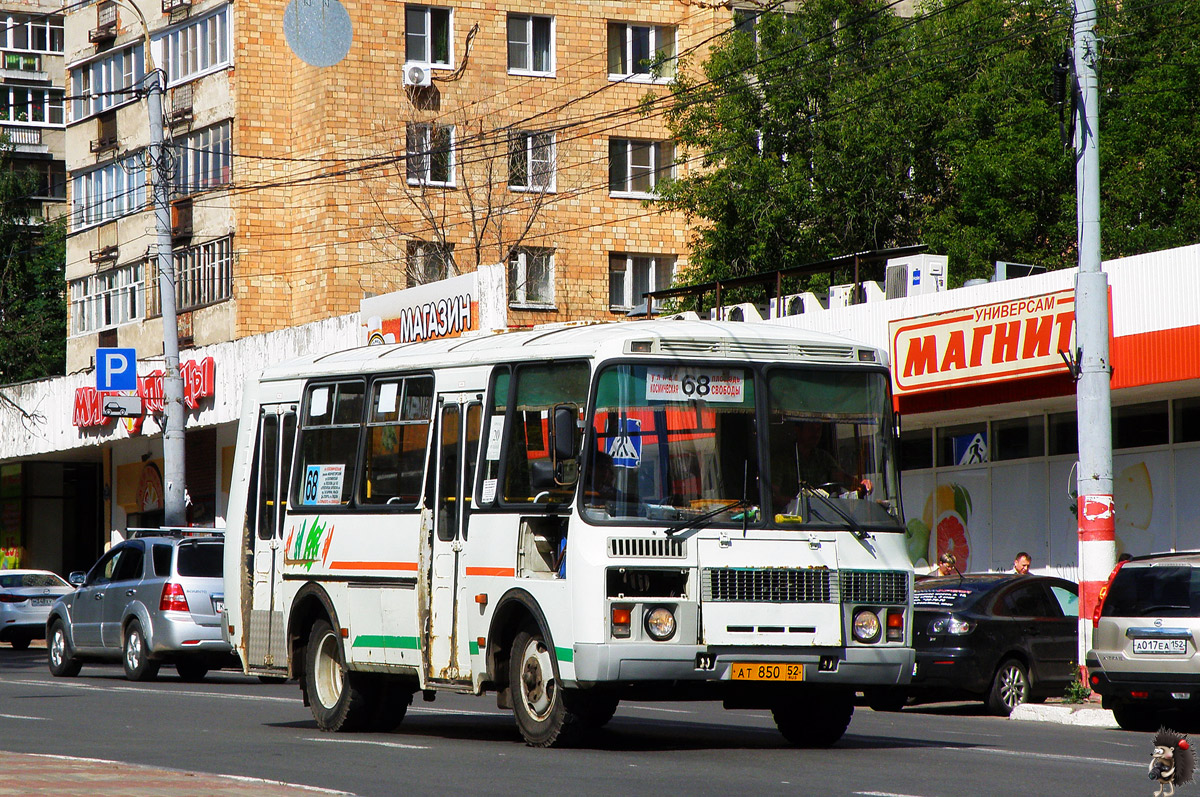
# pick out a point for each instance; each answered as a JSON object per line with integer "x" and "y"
{"x": 916, "y": 540}
{"x": 1133, "y": 495}
{"x": 947, "y": 511}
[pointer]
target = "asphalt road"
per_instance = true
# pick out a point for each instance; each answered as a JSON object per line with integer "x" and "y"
{"x": 234, "y": 725}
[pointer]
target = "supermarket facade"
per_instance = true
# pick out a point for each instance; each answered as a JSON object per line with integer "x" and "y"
{"x": 981, "y": 375}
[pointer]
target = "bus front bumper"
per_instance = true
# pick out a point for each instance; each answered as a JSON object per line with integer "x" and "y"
{"x": 633, "y": 662}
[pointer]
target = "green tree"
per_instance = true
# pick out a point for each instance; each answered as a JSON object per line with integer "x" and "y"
{"x": 842, "y": 127}
{"x": 33, "y": 313}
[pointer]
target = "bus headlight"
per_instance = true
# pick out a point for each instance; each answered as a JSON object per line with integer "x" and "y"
{"x": 660, "y": 623}
{"x": 866, "y": 626}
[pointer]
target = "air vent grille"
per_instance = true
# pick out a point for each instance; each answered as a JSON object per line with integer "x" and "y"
{"x": 649, "y": 548}
{"x": 761, "y": 350}
{"x": 874, "y": 586}
{"x": 769, "y": 585}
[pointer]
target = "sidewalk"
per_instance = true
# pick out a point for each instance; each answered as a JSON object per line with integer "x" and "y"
{"x": 24, "y": 774}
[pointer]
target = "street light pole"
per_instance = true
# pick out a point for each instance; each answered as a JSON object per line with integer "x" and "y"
{"x": 174, "y": 474}
{"x": 1093, "y": 397}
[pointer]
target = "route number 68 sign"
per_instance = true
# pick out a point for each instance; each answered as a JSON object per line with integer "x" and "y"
{"x": 684, "y": 383}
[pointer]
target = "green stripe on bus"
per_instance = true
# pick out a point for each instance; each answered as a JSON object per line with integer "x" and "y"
{"x": 565, "y": 654}
{"x": 385, "y": 641}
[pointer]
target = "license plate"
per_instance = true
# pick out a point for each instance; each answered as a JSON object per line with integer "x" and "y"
{"x": 1160, "y": 646}
{"x": 218, "y": 605}
{"x": 41, "y": 601}
{"x": 759, "y": 671}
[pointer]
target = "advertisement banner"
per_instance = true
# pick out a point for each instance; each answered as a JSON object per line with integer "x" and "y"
{"x": 443, "y": 309}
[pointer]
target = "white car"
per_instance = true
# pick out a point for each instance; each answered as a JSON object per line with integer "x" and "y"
{"x": 25, "y": 600}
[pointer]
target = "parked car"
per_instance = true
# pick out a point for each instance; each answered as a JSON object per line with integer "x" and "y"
{"x": 997, "y": 637}
{"x": 25, "y": 599}
{"x": 1144, "y": 660}
{"x": 155, "y": 598}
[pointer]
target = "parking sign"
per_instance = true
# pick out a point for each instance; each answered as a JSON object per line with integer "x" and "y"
{"x": 116, "y": 369}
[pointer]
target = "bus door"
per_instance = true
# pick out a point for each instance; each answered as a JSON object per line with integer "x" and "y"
{"x": 448, "y": 643}
{"x": 266, "y": 649}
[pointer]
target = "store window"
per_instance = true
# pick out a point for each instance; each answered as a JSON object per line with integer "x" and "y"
{"x": 916, "y": 449}
{"x": 962, "y": 445}
{"x": 1018, "y": 438}
{"x": 1136, "y": 425}
{"x": 1187, "y": 420}
{"x": 1064, "y": 434}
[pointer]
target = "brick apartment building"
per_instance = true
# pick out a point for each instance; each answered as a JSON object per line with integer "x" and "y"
{"x": 299, "y": 188}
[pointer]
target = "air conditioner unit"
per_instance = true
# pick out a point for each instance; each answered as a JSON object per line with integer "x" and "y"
{"x": 915, "y": 275}
{"x": 841, "y": 295}
{"x": 1008, "y": 271}
{"x": 797, "y": 304}
{"x": 417, "y": 74}
{"x": 746, "y": 311}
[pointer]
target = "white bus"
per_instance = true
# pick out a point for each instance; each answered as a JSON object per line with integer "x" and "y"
{"x": 572, "y": 516}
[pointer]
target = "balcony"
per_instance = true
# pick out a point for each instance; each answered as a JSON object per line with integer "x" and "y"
{"x": 23, "y": 136}
{"x": 103, "y": 33}
{"x": 180, "y": 112}
{"x": 172, "y": 6}
{"x": 181, "y": 220}
{"x": 99, "y": 145}
{"x": 103, "y": 256}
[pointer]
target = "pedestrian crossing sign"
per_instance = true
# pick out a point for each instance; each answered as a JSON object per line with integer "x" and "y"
{"x": 626, "y": 448}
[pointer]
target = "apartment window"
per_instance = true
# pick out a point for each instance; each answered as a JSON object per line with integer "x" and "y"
{"x": 634, "y": 49}
{"x": 631, "y": 277}
{"x": 106, "y": 82}
{"x": 31, "y": 106}
{"x": 531, "y": 277}
{"x": 205, "y": 159}
{"x": 199, "y": 46}
{"x": 203, "y": 276}
{"x": 427, "y": 35}
{"x": 429, "y": 154}
{"x": 52, "y": 179}
{"x": 39, "y": 33}
{"x": 107, "y": 299}
{"x": 636, "y": 167}
{"x": 531, "y": 161}
{"x": 109, "y": 191}
{"x": 530, "y": 44}
{"x": 429, "y": 262}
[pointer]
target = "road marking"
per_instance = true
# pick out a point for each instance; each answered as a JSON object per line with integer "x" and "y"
{"x": 397, "y": 745}
{"x": 151, "y": 691}
{"x": 21, "y": 717}
{"x": 1039, "y": 756}
{"x": 969, "y": 733}
{"x": 885, "y": 794}
{"x": 655, "y": 708}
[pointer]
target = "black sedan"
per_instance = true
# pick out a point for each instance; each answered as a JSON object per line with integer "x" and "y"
{"x": 1001, "y": 638}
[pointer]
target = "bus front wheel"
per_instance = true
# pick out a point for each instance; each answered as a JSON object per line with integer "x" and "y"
{"x": 538, "y": 705}
{"x": 815, "y": 719}
{"x": 338, "y": 703}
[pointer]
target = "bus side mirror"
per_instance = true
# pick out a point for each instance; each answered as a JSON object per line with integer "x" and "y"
{"x": 565, "y": 430}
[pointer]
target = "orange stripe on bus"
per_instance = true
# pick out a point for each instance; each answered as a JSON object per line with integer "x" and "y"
{"x": 491, "y": 571}
{"x": 373, "y": 566}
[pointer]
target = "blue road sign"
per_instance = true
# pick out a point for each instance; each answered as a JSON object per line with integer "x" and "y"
{"x": 626, "y": 448}
{"x": 116, "y": 369}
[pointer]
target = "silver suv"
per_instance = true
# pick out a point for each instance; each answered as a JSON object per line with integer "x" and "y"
{"x": 1144, "y": 659}
{"x": 155, "y": 598}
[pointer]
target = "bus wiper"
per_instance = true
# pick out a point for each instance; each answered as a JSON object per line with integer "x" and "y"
{"x": 855, "y": 529}
{"x": 704, "y": 517}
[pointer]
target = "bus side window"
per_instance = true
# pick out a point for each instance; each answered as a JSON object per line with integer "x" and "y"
{"x": 397, "y": 435}
{"x": 529, "y": 468}
{"x": 329, "y": 436}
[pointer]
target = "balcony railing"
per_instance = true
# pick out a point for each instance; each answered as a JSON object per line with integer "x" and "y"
{"x": 23, "y": 136}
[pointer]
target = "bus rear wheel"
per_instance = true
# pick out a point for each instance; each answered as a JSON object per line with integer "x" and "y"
{"x": 814, "y": 719}
{"x": 335, "y": 695}
{"x": 538, "y": 701}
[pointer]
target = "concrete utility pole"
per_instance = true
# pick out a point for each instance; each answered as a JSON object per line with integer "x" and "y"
{"x": 174, "y": 412}
{"x": 1097, "y": 542}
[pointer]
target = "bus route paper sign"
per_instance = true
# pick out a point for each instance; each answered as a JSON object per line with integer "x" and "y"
{"x": 684, "y": 384}
{"x": 323, "y": 484}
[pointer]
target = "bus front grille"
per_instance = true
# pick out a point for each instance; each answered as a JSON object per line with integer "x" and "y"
{"x": 769, "y": 585}
{"x": 874, "y": 586}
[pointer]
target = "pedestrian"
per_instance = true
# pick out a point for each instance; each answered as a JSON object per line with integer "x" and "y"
{"x": 945, "y": 565}
{"x": 1021, "y": 563}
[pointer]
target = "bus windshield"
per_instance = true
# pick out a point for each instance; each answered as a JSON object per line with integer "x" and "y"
{"x": 669, "y": 442}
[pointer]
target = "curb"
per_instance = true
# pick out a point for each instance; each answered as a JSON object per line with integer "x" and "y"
{"x": 1085, "y": 715}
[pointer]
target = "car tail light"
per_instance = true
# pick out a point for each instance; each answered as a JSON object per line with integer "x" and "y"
{"x": 173, "y": 599}
{"x": 8, "y": 597}
{"x": 1104, "y": 594}
{"x": 895, "y": 625}
{"x": 1140, "y": 695}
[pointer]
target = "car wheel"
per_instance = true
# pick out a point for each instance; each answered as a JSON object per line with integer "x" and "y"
{"x": 58, "y": 653}
{"x": 191, "y": 670}
{"x": 138, "y": 664}
{"x": 886, "y": 699}
{"x": 539, "y": 708}
{"x": 20, "y": 642}
{"x": 1134, "y": 717}
{"x": 814, "y": 719}
{"x": 392, "y": 699}
{"x": 336, "y": 695}
{"x": 1010, "y": 688}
